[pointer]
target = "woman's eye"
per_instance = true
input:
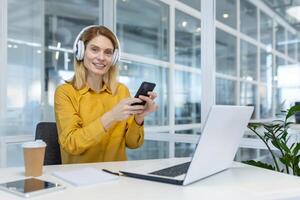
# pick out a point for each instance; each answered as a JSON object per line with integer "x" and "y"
{"x": 109, "y": 53}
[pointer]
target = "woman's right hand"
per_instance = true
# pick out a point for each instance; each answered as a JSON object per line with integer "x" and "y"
{"x": 122, "y": 111}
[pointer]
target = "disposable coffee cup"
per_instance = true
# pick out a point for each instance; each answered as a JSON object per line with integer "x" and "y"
{"x": 34, "y": 153}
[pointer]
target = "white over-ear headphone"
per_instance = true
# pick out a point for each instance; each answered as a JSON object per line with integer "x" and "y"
{"x": 79, "y": 48}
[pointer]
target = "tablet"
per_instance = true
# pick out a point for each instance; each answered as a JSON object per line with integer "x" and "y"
{"x": 30, "y": 187}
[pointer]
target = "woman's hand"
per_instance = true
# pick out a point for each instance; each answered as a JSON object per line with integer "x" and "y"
{"x": 122, "y": 111}
{"x": 149, "y": 107}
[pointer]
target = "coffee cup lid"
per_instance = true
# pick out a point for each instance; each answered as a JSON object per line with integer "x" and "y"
{"x": 34, "y": 144}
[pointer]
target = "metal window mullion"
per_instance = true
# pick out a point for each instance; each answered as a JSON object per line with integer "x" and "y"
{"x": 181, "y": 138}
{"x": 44, "y": 93}
{"x": 187, "y": 69}
{"x": 208, "y": 57}
{"x": 273, "y": 66}
{"x": 183, "y": 7}
{"x": 248, "y": 81}
{"x": 258, "y": 25}
{"x": 226, "y": 28}
{"x": 258, "y": 66}
{"x": 127, "y": 57}
{"x": 225, "y": 76}
{"x": 283, "y": 56}
{"x": 171, "y": 83}
{"x": 108, "y": 17}
{"x": 285, "y": 40}
{"x": 3, "y": 56}
{"x": 100, "y": 11}
{"x": 250, "y": 39}
{"x": 179, "y": 127}
{"x": 296, "y": 49}
{"x": 3, "y": 152}
{"x": 238, "y": 61}
{"x": 258, "y": 100}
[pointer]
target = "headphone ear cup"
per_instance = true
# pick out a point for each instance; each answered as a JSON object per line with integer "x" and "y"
{"x": 80, "y": 50}
{"x": 115, "y": 57}
{"x": 76, "y": 51}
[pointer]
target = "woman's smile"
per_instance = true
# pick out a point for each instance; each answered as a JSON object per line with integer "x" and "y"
{"x": 99, "y": 65}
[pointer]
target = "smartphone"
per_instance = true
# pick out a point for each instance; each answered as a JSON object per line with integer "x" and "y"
{"x": 143, "y": 90}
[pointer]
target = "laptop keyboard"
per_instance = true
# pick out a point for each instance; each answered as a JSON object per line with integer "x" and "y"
{"x": 173, "y": 171}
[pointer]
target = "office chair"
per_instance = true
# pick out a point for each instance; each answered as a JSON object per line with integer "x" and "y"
{"x": 47, "y": 132}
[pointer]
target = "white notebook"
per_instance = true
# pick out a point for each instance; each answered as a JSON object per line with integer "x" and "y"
{"x": 85, "y": 176}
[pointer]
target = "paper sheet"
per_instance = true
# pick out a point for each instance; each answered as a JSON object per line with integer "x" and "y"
{"x": 85, "y": 176}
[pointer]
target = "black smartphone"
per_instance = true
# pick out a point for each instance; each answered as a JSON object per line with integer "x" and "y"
{"x": 143, "y": 90}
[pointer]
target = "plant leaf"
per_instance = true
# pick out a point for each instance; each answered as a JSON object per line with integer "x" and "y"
{"x": 285, "y": 133}
{"x": 268, "y": 135}
{"x": 297, "y": 172}
{"x": 296, "y": 149}
{"x": 289, "y": 123}
{"x": 292, "y": 111}
{"x": 296, "y": 161}
{"x": 284, "y": 147}
{"x": 292, "y": 146}
{"x": 269, "y": 128}
{"x": 286, "y": 160}
{"x": 254, "y": 125}
{"x": 275, "y": 144}
{"x": 277, "y": 129}
{"x": 259, "y": 164}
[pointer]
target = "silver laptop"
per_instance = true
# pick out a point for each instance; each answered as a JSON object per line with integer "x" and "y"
{"x": 220, "y": 139}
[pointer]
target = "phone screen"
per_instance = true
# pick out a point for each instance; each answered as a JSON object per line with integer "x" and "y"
{"x": 143, "y": 90}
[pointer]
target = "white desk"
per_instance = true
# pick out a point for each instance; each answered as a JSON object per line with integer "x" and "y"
{"x": 240, "y": 182}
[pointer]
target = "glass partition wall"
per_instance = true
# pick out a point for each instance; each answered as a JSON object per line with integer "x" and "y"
{"x": 21, "y": 74}
{"x": 255, "y": 46}
{"x": 256, "y": 54}
{"x": 40, "y": 37}
{"x": 163, "y": 48}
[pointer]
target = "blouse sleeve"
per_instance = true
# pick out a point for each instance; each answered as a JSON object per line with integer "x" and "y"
{"x": 134, "y": 135}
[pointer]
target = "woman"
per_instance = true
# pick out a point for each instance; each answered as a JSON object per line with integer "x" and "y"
{"x": 94, "y": 115}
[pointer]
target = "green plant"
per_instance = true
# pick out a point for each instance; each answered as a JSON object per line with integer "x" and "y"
{"x": 276, "y": 133}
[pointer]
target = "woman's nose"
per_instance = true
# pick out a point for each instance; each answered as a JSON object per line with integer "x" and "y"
{"x": 101, "y": 55}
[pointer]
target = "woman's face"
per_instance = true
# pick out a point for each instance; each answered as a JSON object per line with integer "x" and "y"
{"x": 98, "y": 55}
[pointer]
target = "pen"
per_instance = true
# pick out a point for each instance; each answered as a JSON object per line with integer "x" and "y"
{"x": 114, "y": 173}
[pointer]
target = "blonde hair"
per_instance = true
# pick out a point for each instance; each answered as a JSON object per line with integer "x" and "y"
{"x": 110, "y": 78}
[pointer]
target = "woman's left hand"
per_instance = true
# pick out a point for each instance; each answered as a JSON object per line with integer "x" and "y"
{"x": 150, "y": 106}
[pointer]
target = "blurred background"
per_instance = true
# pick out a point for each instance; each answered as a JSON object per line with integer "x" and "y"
{"x": 256, "y": 54}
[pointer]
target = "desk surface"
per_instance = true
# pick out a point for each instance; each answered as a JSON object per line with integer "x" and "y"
{"x": 239, "y": 182}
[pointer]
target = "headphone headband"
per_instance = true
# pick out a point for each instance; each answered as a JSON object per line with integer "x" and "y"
{"x": 79, "y": 48}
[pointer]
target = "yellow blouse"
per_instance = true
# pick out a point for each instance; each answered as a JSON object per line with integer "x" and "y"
{"x": 82, "y": 137}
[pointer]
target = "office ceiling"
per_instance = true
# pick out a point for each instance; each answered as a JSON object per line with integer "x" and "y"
{"x": 281, "y": 7}
{"x": 24, "y": 15}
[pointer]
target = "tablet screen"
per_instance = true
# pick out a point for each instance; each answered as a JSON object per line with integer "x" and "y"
{"x": 26, "y": 187}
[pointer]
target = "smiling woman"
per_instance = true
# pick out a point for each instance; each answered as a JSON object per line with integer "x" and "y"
{"x": 95, "y": 117}
{"x": 88, "y": 48}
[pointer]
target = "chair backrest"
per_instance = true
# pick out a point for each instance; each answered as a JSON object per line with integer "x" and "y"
{"x": 47, "y": 131}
